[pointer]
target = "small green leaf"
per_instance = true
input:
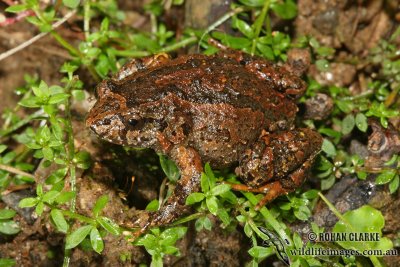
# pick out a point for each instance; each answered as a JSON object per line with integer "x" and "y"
{"x": 153, "y": 205}
{"x": 203, "y": 222}
{"x": 148, "y": 241}
{"x": 224, "y": 216}
{"x": 247, "y": 230}
{"x": 394, "y": 184}
{"x": 6, "y": 214}
{"x": 57, "y": 176}
{"x": 298, "y": 243}
{"x": 96, "y": 240}
{"x": 322, "y": 65}
{"x": 348, "y": 124}
{"x": 285, "y": 10}
{"x": 194, "y": 198}
{"x": 50, "y": 196}
{"x": 59, "y": 220}
{"x": 259, "y": 252}
{"x": 355, "y": 223}
{"x": 16, "y": 8}
{"x": 244, "y": 28}
{"x": 266, "y": 51}
{"x": 30, "y": 102}
{"x": 220, "y": 189}
{"x": 170, "y": 250}
{"x": 170, "y": 169}
{"x": 2, "y": 148}
{"x": 82, "y": 160}
{"x": 361, "y": 122}
{"x": 7, "y": 262}
{"x": 204, "y": 183}
{"x": 328, "y": 182}
{"x": 48, "y": 153}
{"x": 310, "y": 194}
{"x": 9, "y": 227}
{"x": 42, "y": 91}
{"x": 71, "y": 3}
{"x": 39, "y": 208}
{"x": 171, "y": 235}
{"x": 328, "y": 147}
{"x": 108, "y": 225}
{"x": 64, "y": 197}
{"x": 385, "y": 177}
{"x": 77, "y": 236}
{"x": 28, "y": 202}
{"x": 302, "y": 213}
{"x": 210, "y": 174}
{"x": 325, "y": 51}
{"x": 57, "y": 98}
{"x": 314, "y": 43}
{"x": 212, "y": 205}
{"x": 43, "y": 135}
{"x": 78, "y": 95}
{"x": 101, "y": 202}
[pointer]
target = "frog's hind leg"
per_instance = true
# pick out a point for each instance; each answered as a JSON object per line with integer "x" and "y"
{"x": 138, "y": 64}
{"x": 190, "y": 165}
{"x": 275, "y": 189}
{"x": 278, "y": 163}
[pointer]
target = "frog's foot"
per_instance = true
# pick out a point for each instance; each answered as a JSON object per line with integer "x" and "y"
{"x": 278, "y": 163}
{"x": 189, "y": 163}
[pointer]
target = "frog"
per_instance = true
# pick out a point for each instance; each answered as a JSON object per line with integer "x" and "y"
{"x": 230, "y": 110}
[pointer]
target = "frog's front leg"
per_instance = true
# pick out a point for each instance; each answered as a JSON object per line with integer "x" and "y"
{"x": 190, "y": 165}
{"x": 278, "y": 163}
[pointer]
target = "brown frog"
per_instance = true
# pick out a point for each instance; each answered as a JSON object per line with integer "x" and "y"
{"x": 225, "y": 109}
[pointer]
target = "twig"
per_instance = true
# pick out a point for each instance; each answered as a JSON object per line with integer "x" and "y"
{"x": 219, "y": 22}
{"x": 15, "y": 171}
{"x": 35, "y": 38}
{"x": 18, "y": 17}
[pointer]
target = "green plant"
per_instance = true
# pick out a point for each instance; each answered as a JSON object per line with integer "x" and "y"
{"x": 159, "y": 243}
{"x": 7, "y": 225}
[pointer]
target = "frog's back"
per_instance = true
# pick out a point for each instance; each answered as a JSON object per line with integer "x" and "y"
{"x": 201, "y": 80}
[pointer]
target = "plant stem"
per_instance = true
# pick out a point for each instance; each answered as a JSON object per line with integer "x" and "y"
{"x": 129, "y": 53}
{"x": 258, "y": 25}
{"x": 221, "y": 20}
{"x": 71, "y": 166}
{"x": 75, "y": 52}
{"x": 179, "y": 44}
{"x": 187, "y": 218}
{"x": 359, "y": 96}
{"x": 86, "y": 18}
{"x": 139, "y": 53}
{"x": 22, "y": 123}
{"x": 15, "y": 171}
{"x": 77, "y": 216}
{"x": 270, "y": 219}
{"x": 70, "y": 142}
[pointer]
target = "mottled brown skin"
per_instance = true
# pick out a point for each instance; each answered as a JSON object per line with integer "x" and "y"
{"x": 226, "y": 109}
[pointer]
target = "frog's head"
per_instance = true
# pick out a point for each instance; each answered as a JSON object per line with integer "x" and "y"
{"x": 116, "y": 120}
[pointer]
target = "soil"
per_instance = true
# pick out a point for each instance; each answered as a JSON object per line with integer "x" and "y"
{"x": 351, "y": 27}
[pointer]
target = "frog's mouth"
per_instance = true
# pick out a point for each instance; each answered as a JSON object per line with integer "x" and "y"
{"x": 109, "y": 128}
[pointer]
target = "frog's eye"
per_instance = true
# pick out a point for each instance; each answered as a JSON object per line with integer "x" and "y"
{"x": 133, "y": 122}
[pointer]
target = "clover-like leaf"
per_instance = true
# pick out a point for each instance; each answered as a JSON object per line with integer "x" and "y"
{"x": 355, "y": 223}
